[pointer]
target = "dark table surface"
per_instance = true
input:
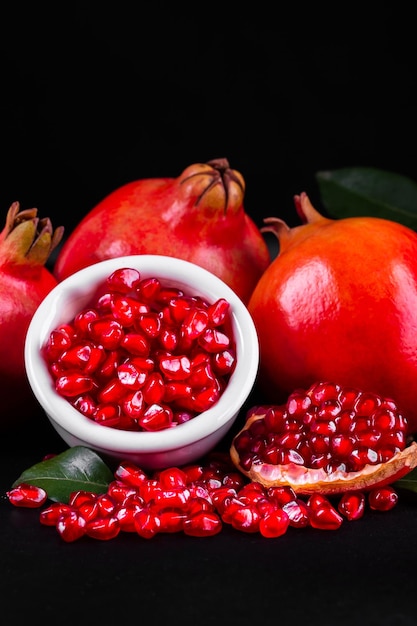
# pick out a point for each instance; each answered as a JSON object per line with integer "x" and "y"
{"x": 363, "y": 573}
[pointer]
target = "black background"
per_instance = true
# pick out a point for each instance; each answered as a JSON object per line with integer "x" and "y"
{"x": 96, "y": 95}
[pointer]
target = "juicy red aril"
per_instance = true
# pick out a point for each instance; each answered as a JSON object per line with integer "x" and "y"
{"x": 324, "y": 427}
{"x": 382, "y": 498}
{"x": 323, "y": 514}
{"x": 107, "y": 333}
{"x": 352, "y": 505}
{"x": 156, "y": 417}
{"x": 202, "y": 524}
{"x": 70, "y": 525}
{"x": 139, "y": 335}
{"x": 74, "y": 384}
{"x": 123, "y": 280}
{"x": 274, "y": 524}
{"x": 26, "y": 495}
{"x": 85, "y": 356}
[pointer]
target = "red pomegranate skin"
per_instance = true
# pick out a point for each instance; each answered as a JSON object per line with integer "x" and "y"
{"x": 26, "y": 243}
{"x": 198, "y": 217}
{"x": 339, "y": 302}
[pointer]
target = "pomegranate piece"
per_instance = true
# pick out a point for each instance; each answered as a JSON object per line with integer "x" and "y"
{"x": 202, "y": 524}
{"x": 26, "y": 495}
{"x": 352, "y": 505}
{"x": 323, "y": 514}
{"x": 70, "y": 525}
{"x": 382, "y": 498}
{"x": 143, "y": 356}
{"x": 327, "y": 439}
{"x": 274, "y": 524}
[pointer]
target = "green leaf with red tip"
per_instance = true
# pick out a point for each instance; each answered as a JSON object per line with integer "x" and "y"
{"x": 77, "y": 468}
{"x": 367, "y": 191}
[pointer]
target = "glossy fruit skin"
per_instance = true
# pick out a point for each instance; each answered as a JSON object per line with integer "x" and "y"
{"x": 339, "y": 302}
{"x": 25, "y": 245}
{"x": 198, "y": 217}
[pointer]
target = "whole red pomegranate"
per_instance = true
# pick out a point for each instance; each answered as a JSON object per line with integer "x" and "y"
{"x": 339, "y": 302}
{"x": 198, "y": 216}
{"x": 26, "y": 243}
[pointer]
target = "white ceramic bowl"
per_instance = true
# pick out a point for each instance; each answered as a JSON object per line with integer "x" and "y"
{"x": 151, "y": 450}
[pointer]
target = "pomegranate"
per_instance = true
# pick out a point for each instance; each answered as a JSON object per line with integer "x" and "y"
{"x": 339, "y": 302}
{"x": 198, "y": 216}
{"x": 26, "y": 243}
{"x": 328, "y": 439}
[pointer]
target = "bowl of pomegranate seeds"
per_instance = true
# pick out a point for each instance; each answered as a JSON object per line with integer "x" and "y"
{"x": 144, "y": 358}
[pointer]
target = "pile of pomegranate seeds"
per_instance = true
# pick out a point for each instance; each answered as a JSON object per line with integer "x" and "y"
{"x": 328, "y": 427}
{"x": 143, "y": 356}
{"x": 196, "y": 500}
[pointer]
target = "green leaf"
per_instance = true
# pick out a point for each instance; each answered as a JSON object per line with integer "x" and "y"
{"x": 366, "y": 191}
{"x": 77, "y": 468}
{"x": 409, "y": 481}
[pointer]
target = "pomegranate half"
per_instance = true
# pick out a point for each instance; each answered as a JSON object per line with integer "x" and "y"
{"x": 198, "y": 217}
{"x": 328, "y": 439}
{"x": 339, "y": 302}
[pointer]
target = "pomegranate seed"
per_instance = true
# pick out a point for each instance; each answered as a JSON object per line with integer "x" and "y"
{"x": 172, "y": 478}
{"x": 148, "y": 289}
{"x": 168, "y": 338}
{"x": 217, "y": 312}
{"x": 107, "y": 415}
{"x": 59, "y": 341}
{"x": 86, "y": 405}
{"x": 112, "y": 392}
{"x": 106, "y": 332}
{"x": 50, "y": 515}
{"x": 246, "y": 518}
{"x": 154, "y": 388}
{"x": 150, "y": 324}
{"x": 123, "y": 311}
{"x": 202, "y": 524}
{"x": 274, "y": 524}
{"x": 223, "y": 363}
{"x": 126, "y": 514}
{"x": 130, "y": 475}
{"x": 26, "y": 495}
{"x": 298, "y": 513}
{"x": 322, "y": 514}
{"x": 70, "y": 525}
{"x": 213, "y": 340}
{"x": 103, "y": 528}
{"x": 133, "y": 405}
{"x": 124, "y": 280}
{"x": 382, "y": 498}
{"x": 352, "y": 505}
{"x": 74, "y": 384}
{"x": 147, "y": 524}
{"x": 178, "y": 309}
{"x": 194, "y": 324}
{"x": 171, "y": 520}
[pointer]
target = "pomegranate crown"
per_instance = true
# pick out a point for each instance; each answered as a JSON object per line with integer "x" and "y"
{"x": 26, "y": 238}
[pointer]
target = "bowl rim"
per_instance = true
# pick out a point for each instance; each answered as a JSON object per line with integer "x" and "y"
{"x": 168, "y": 269}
